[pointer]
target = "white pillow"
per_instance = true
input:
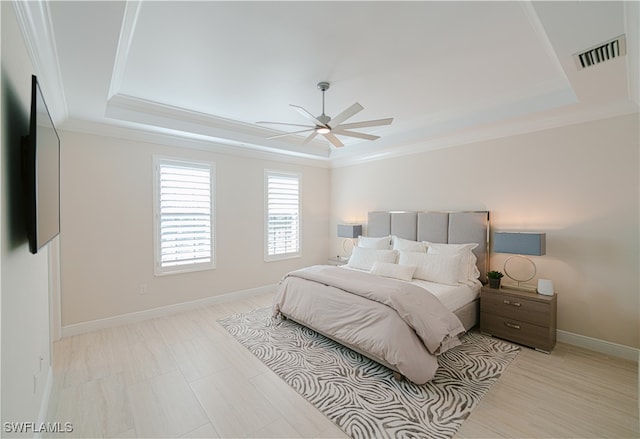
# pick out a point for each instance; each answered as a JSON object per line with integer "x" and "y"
{"x": 468, "y": 266}
{"x": 395, "y": 271}
{"x": 364, "y": 258}
{"x": 440, "y": 268}
{"x": 383, "y": 243}
{"x": 407, "y": 245}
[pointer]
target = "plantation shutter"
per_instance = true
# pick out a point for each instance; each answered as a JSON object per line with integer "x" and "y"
{"x": 282, "y": 215}
{"x": 185, "y": 216}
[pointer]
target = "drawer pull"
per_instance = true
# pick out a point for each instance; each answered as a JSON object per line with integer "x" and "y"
{"x": 508, "y": 302}
{"x": 511, "y": 325}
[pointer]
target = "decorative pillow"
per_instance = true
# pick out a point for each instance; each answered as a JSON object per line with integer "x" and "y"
{"x": 440, "y": 268}
{"x": 395, "y": 271}
{"x": 383, "y": 243}
{"x": 364, "y": 258}
{"x": 407, "y": 245}
{"x": 468, "y": 265}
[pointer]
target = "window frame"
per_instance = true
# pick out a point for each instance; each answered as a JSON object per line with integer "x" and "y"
{"x": 158, "y": 161}
{"x": 288, "y": 255}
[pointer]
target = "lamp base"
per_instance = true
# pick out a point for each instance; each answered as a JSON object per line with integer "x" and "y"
{"x": 516, "y": 267}
{"x": 520, "y": 287}
{"x": 347, "y": 246}
{"x": 520, "y": 284}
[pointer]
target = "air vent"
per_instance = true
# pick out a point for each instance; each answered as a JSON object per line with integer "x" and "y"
{"x": 601, "y": 53}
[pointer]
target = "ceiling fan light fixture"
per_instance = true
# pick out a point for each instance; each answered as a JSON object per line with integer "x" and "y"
{"x": 321, "y": 123}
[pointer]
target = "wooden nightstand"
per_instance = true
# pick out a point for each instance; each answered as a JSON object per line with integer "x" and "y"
{"x": 519, "y": 316}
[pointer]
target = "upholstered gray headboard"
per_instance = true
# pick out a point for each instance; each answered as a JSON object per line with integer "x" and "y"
{"x": 442, "y": 227}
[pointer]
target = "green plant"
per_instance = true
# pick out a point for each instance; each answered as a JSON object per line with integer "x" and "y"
{"x": 494, "y": 274}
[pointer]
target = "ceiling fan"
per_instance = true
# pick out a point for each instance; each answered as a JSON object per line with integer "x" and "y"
{"x": 329, "y": 127}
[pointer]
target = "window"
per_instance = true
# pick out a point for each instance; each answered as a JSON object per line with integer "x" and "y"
{"x": 282, "y": 215}
{"x": 183, "y": 216}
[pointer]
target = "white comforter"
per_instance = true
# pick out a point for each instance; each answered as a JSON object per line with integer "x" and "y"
{"x": 398, "y": 324}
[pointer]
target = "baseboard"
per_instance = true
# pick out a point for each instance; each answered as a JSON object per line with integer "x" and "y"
{"x": 602, "y": 346}
{"x": 594, "y": 344}
{"x": 110, "y": 322}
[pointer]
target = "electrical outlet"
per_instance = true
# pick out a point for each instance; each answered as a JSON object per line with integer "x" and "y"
{"x": 143, "y": 288}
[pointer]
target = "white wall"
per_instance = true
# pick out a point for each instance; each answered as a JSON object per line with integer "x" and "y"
{"x": 24, "y": 277}
{"x": 106, "y": 241}
{"x": 579, "y": 184}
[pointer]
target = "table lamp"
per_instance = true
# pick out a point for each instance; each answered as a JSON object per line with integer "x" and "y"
{"x": 351, "y": 232}
{"x": 520, "y": 244}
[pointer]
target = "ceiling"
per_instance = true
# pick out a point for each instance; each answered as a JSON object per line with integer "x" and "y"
{"x": 203, "y": 73}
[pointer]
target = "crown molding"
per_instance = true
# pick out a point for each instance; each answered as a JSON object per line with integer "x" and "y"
{"x": 168, "y": 137}
{"x": 129, "y": 21}
{"x": 34, "y": 20}
{"x": 548, "y": 120}
{"x": 155, "y": 114}
{"x": 356, "y": 154}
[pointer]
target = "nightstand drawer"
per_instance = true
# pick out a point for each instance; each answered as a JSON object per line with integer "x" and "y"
{"x": 517, "y": 308}
{"x": 517, "y": 331}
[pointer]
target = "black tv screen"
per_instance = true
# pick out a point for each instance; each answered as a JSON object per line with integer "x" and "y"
{"x": 42, "y": 173}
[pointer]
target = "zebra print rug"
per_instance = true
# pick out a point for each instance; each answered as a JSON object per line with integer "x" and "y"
{"x": 361, "y": 396}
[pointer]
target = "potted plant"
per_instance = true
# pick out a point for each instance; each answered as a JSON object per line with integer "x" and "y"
{"x": 494, "y": 278}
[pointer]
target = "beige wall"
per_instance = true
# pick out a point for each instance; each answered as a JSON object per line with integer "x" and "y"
{"x": 24, "y": 277}
{"x": 579, "y": 184}
{"x": 107, "y": 237}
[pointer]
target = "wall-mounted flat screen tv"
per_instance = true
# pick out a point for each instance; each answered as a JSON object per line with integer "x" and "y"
{"x": 41, "y": 149}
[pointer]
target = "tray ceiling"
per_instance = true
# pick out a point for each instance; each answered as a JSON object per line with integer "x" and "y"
{"x": 447, "y": 72}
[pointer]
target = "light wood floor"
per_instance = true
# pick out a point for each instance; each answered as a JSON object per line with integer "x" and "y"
{"x": 185, "y": 376}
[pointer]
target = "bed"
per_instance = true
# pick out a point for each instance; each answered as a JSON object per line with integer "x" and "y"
{"x": 409, "y": 291}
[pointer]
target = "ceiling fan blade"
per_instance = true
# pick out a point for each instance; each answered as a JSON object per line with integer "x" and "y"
{"x": 288, "y": 134}
{"x": 334, "y": 140}
{"x": 354, "y": 134}
{"x": 284, "y": 123}
{"x": 346, "y": 114}
{"x": 308, "y": 115}
{"x": 366, "y": 123}
{"x": 310, "y": 137}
